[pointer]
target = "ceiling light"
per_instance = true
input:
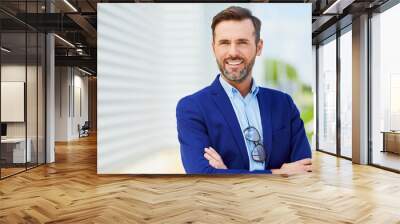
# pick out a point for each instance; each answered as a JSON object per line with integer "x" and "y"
{"x": 70, "y": 5}
{"x": 338, "y": 6}
{"x": 84, "y": 71}
{"x": 64, "y": 40}
{"x": 5, "y": 50}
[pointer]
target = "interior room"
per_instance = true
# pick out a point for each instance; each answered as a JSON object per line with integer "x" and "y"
{"x": 55, "y": 159}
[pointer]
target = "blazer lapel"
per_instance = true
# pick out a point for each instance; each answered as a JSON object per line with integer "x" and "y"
{"x": 265, "y": 113}
{"x": 224, "y": 105}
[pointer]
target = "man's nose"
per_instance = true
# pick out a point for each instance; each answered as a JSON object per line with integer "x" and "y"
{"x": 233, "y": 51}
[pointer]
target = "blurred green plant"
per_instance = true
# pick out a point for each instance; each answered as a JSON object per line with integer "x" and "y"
{"x": 283, "y": 76}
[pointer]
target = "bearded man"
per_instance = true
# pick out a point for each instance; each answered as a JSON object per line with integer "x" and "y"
{"x": 234, "y": 126}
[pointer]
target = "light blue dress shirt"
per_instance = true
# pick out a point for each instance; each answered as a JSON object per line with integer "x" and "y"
{"x": 248, "y": 114}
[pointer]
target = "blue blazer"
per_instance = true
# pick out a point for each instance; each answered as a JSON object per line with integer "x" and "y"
{"x": 207, "y": 118}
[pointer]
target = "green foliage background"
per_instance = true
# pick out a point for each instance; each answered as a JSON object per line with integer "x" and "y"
{"x": 283, "y": 76}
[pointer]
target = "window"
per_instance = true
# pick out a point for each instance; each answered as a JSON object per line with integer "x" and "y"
{"x": 385, "y": 89}
{"x": 346, "y": 94}
{"x": 327, "y": 97}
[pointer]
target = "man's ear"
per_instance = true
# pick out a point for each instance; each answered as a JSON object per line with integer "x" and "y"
{"x": 260, "y": 46}
{"x": 212, "y": 46}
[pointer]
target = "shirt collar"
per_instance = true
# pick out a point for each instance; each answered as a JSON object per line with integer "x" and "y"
{"x": 231, "y": 91}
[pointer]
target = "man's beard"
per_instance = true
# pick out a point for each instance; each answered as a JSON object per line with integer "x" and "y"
{"x": 243, "y": 74}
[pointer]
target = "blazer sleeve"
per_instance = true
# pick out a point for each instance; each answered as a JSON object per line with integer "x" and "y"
{"x": 194, "y": 137}
{"x": 299, "y": 143}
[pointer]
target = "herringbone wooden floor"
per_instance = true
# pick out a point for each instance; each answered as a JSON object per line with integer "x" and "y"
{"x": 70, "y": 191}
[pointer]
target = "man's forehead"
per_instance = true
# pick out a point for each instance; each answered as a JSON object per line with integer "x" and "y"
{"x": 234, "y": 29}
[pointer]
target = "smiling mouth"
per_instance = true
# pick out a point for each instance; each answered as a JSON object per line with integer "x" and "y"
{"x": 234, "y": 62}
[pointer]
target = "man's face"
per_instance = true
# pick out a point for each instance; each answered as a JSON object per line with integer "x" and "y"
{"x": 235, "y": 48}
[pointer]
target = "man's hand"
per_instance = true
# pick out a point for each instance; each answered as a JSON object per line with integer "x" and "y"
{"x": 214, "y": 158}
{"x": 300, "y": 166}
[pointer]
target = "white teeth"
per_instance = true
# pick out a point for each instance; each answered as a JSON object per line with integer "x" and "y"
{"x": 234, "y": 62}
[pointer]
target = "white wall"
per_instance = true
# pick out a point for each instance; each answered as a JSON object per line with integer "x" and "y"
{"x": 80, "y": 109}
{"x": 61, "y": 103}
{"x": 68, "y": 83}
{"x": 12, "y": 73}
{"x": 141, "y": 77}
{"x": 12, "y": 100}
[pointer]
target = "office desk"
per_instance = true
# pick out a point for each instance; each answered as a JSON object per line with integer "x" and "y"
{"x": 15, "y": 148}
{"x": 391, "y": 141}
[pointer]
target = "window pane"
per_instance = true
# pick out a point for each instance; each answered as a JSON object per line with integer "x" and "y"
{"x": 386, "y": 89}
{"x": 327, "y": 97}
{"x": 346, "y": 94}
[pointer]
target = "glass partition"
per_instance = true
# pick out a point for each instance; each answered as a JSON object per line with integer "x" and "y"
{"x": 22, "y": 77}
{"x": 13, "y": 109}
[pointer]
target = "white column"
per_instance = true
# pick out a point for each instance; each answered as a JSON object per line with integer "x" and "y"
{"x": 50, "y": 99}
{"x": 50, "y": 92}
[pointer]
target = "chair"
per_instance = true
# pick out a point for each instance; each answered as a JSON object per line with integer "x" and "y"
{"x": 84, "y": 130}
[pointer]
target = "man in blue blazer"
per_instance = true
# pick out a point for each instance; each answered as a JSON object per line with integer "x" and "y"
{"x": 233, "y": 125}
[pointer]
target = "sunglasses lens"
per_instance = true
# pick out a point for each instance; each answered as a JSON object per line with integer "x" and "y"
{"x": 258, "y": 154}
{"x": 252, "y": 134}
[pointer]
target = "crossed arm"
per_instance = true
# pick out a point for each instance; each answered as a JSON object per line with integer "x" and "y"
{"x": 198, "y": 157}
{"x": 300, "y": 166}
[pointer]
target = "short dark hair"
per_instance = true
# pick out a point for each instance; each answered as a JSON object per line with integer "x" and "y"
{"x": 237, "y": 13}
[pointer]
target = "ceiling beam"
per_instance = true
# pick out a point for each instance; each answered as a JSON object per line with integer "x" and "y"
{"x": 82, "y": 61}
{"x": 86, "y": 26}
{"x": 337, "y": 6}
